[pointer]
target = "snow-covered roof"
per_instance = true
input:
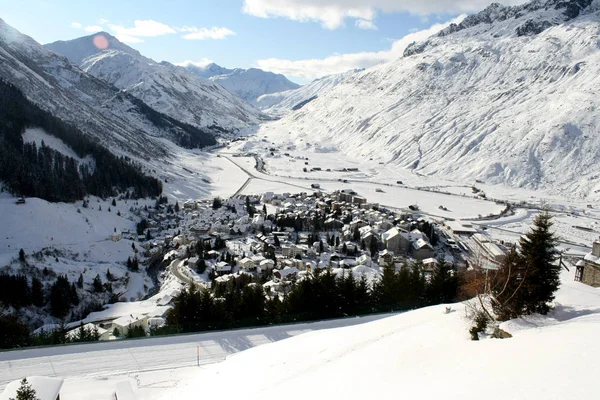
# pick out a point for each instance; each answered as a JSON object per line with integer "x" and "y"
{"x": 420, "y": 244}
{"x": 129, "y": 319}
{"x": 391, "y": 233}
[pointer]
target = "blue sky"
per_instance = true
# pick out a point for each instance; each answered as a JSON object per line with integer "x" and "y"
{"x": 304, "y": 39}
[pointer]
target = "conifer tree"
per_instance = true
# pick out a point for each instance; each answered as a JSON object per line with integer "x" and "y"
{"x": 526, "y": 282}
{"x": 25, "y": 391}
{"x": 37, "y": 292}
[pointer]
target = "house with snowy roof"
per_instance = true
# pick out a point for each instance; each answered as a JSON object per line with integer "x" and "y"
{"x": 588, "y": 269}
{"x": 421, "y": 249}
{"x": 247, "y": 264}
{"x": 386, "y": 257}
{"x": 391, "y": 240}
{"x": 407, "y": 239}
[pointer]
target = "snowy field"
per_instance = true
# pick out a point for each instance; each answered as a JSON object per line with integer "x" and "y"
{"x": 156, "y": 364}
{"x": 424, "y": 353}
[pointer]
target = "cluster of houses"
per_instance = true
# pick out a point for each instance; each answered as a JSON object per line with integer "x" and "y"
{"x": 286, "y": 241}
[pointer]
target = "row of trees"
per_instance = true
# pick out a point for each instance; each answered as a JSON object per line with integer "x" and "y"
{"x": 29, "y": 170}
{"x": 242, "y": 301}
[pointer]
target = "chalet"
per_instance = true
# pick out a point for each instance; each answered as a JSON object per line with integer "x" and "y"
{"x": 407, "y": 238}
{"x": 247, "y": 264}
{"x": 45, "y": 388}
{"x": 391, "y": 240}
{"x": 429, "y": 264}
{"x": 193, "y": 262}
{"x": 222, "y": 268}
{"x": 421, "y": 249}
{"x": 266, "y": 265}
{"x": 386, "y": 257}
{"x": 588, "y": 269}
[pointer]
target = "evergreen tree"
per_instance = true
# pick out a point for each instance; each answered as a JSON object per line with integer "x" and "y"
{"x": 73, "y": 295}
{"x": 80, "y": 281}
{"x": 373, "y": 246}
{"x": 538, "y": 249}
{"x": 25, "y": 391}
{"x": 526, "y": 282}
{"x": 37, "y": 292}
{"x": 97, "y": 284}
{"x": 22, "y": 255}
{"x": 60, "y": 297}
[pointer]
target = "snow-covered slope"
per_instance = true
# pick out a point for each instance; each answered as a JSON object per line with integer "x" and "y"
{"x": 115, "y": 118}
{"x": 249, "y": 84}
{"x": 423, "y": 354}
{"x": 278, "y": 104}
{"x": 166, "y": 88}
{"x": 493, "y": 101}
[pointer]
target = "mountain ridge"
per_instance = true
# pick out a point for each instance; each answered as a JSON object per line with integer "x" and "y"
{"x": 482, "y": 103}
{"x": 167, "y": 88}
{"x": 248, "y": 84}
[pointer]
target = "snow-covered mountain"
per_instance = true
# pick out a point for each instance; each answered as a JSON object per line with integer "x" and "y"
{"x": 167, "y": 88}
{"x": 278, "y": 104}
{"x": 120, "y": 121}
{"x": 209, "y": 70}
{"x": 508, "y": 96}
{"x": 248, "y": 84}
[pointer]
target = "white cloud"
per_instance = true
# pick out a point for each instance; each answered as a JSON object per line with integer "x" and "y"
{"x": 143, "y": 28}
{"x": 332, "y": 13}
{"x": 315, "y": 68}
{"x": 206, "y": 33}
{"x": 103, "y": 21}
{"x": 93, "y": 28}
{"x": 201, "y": 63}
{"x": 76, "y": 25}
{"x": 365, "y": 24}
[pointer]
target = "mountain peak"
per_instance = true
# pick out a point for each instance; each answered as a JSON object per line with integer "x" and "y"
{"x": 77, "y": 50}
{"x": 539, "y": 15}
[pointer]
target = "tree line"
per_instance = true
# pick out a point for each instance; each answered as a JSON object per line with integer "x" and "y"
{"x": 242, "y": 301}
{"x": 29, "y": 170}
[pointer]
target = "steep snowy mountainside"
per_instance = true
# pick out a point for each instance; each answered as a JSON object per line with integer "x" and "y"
{"x": 481, "y": 103}
{"x": 166, "y": 88}
{"x": 248, "y": 84}
{"x": 79, "y": 49}
{"x": 278, "y": 104}
{"x": 115, "y": 118}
